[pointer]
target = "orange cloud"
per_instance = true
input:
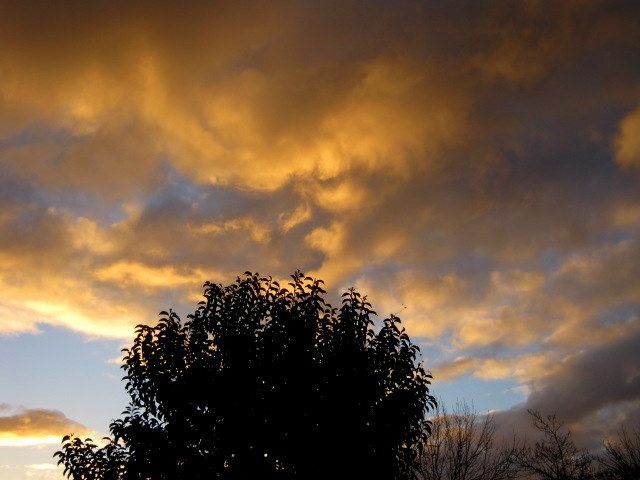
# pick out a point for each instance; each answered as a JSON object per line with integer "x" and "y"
{"x": 522, "y": 368}
{"x": 627, "y": 142}
{"x": 28, "y": 427}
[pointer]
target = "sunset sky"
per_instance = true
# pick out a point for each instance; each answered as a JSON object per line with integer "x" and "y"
{"x": 473, "y": 167}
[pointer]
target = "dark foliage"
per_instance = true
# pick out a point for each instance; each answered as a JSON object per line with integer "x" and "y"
{"x": 265, "y": 382}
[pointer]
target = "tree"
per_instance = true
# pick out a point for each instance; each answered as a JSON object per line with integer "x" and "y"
{"x": 265, "y": 382}
{"x": 621, "y": 457}
{"x": 555, "y": 456}
{"x": 463, "y": 446}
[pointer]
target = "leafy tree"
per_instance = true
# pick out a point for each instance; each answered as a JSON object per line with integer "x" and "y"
{"x": 265, "y": 382}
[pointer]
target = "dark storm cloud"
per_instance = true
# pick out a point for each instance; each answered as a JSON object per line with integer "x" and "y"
{"x": 593, "y": 391}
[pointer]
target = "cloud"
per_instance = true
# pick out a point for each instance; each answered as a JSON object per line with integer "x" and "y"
{"x": 523, "y": 368}
{"x": 299, "y": 215}
{"x": 627, "y": 144}
{"x": 141, "y": 275}
{"x": 585, "y": 368}
{"x": 258, "y": 233}
{"x": 46, "y": 273}
{"x": 591, "y": 297}
{"x": 593, "y": 391}
{"x": 569, "y": 391}
{"x": 125, "y": 102}
{"x": 468, "y": 168}
{"x": 554, "y": 332}
{"x": 43, "y": 471}
{"x": 25, "y": 427}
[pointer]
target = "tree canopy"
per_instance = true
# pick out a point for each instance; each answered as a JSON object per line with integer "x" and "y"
{"x": 265, "y": 382}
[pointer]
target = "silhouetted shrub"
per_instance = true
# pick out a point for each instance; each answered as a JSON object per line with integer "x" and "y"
{"x": 265, "y": 382}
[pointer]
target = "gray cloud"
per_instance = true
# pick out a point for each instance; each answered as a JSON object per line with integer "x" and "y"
{"x": 594, "y": 391}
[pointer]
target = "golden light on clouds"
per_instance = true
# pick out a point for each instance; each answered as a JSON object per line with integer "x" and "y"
{"x": 10, "y": 440}
{"x": 628, "y": 140}
{"x": 35, "y": 427}
{"x": 471, "y": 169}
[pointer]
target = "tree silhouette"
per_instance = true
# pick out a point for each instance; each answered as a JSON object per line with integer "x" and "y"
{"x": 555, "y": 456}
{"x": 265, "y": 382}
{"x": 621, "y": 457}
{"x": 464, "y": 445}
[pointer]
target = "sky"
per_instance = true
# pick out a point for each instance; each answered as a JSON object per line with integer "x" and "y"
{"x": 473, "y": 167}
